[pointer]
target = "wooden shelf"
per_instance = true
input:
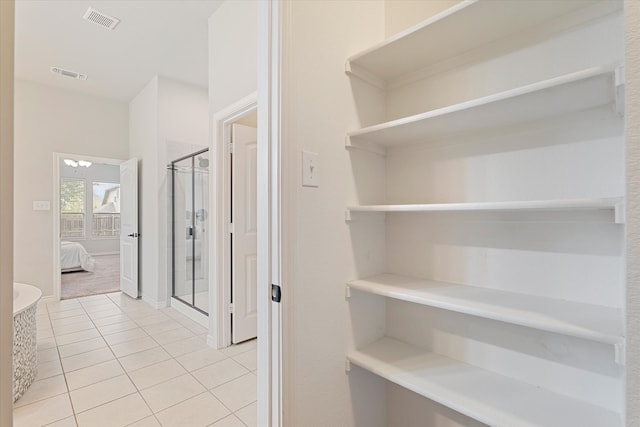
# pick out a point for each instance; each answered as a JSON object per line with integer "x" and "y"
{"x": 490, "y": 398}
{"x": 614, "y": 204}
{"x": 591, "y": 322}
{"x": 461, "y": 28}
{"x": 583, "y": 90}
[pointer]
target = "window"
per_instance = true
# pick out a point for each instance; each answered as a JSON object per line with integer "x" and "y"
{"x": 72, "y": 208}
{"x": 106, "y": 209}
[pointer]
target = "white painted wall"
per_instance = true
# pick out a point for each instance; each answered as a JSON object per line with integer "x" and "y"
{"x": 6, "y": 211}
{"x": 320, "y": 251}
{"x": 632, "y": 25}
{"x": 168, "y": 118}
{"x": 49, "y": 120}
{"x": 233, "y": 56}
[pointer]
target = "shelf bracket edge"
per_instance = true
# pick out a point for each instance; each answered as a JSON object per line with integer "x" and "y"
{"x": 620, "y": 353}
{"x": 619, "y": 213}
{"x": 365, "y": 75}
{"x": 349, "y": 144}
{"x": 619, "y": 85}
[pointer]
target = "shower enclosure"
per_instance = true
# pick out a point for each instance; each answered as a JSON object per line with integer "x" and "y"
{"x": 189, "y": 227}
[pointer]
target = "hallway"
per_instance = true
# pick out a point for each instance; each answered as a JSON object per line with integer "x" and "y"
{"x": 108, "y": 360}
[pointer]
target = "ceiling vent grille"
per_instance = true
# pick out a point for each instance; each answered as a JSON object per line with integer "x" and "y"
{"x": 101, "y": 19}
{"x": 68, "y": 73}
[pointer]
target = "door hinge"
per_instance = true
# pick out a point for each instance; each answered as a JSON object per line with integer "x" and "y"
{"x": 276, "y": 293}
{"x": 231, "y": 148}
{"x": 231, "y": 308}
{"x": 231, "y": 228}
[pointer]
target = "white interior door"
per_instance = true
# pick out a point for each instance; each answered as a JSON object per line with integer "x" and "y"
{"x": 129, "y": 227}
{"x": 244, "y": 260}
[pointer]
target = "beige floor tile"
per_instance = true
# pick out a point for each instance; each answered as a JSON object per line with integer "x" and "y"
{"x": 66, "y": 313}
{"x": 93, "y": 374}
{"x": 43, "y": 389}
{"x": 113, "y": 328}
{"x": 248, "y": 359}
{"x": 135, "y": 346}
{"x": 124, "y": 336}
{"x": 119, "y": 413}
{"x": 156, "y": 373}
{"x": 167, "y": 325}
{"x": 43, "y": 412}
{"x": 101, "y": 392}
{"x": 89, "y": 358}
{"x": 44, "y": 333}
{"x": 219, "y": 373}
{"x": 77, "y": 336}
{"x": 67, "y": 422}
{"x": 48, "y": 355}
{"x": 74, "y": 327}
{"x": 147, "y": 422}
{"x": 170, "y": 392}
{"x": 69, "y": 350}
{"x": 200, "y": 358}
{"x": 105, "y": 313}
{"x": 237, "y": 393}
{"x": 240, "y": 348}
{"x": 60, "y": 306}
{"x": 144, "y": 358}
{"x": 230, "y": 421}
{"x": 118, "y": 318}
{"x": 178, "y": 348}
{"x": 168, "y": 337}
{"x": 46, "y": 343}
{"x": 249, "y": 414}
{"x": 70, "y": 320}
{"x": 49, "y": 369}
{"x": 153, "y": 319}
{"x": 199, "y": 411}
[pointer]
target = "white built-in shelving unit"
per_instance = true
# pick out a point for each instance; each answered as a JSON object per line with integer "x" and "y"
{"x": 578, "y": 91}
{"x": 435, "y": 45}
{"x": 493, "y": 399}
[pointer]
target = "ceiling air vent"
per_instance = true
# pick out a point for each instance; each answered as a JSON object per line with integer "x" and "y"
{"x": 101, "y": 19}
{"x": 68, "y": 73}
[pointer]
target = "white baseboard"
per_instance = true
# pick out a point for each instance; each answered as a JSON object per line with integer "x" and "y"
{"x": 48, "y": 298}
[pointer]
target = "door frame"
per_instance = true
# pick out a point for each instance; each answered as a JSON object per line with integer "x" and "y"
{"x": 55, "y": 207}
{"x": 220, "y": 296}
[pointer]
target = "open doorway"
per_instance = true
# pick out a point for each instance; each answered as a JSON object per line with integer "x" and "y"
{"x": 236, "y": 209}
{"x": 86, "y": 226}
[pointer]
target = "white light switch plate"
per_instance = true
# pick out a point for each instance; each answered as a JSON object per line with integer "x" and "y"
{"x": 41, "y": 205}
{"x": 310, "y": 169}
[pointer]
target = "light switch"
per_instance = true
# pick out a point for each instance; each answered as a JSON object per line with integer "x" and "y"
{"x": 41, "y": 205}
{"x": 310, "y": 177}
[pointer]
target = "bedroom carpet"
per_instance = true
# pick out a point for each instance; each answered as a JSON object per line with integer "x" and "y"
{"x": 104, "y": 279}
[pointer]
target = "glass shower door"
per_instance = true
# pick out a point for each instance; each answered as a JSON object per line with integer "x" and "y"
{"x": 190, "y": 203}
{"x": 200, "y": 226}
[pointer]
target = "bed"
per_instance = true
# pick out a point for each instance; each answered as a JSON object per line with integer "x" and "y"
{"x": 74, "y": 257}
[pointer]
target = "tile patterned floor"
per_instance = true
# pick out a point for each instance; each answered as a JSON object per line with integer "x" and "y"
{"x": 112, "y": 361}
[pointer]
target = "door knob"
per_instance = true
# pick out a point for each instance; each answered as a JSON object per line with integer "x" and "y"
{"x": 133, "y": 235}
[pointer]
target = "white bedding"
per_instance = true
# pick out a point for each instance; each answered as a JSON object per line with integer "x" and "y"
{"x": 74, "y": 256}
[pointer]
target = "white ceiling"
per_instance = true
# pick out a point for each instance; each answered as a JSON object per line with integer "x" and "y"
{"x": 165, "y": 37}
